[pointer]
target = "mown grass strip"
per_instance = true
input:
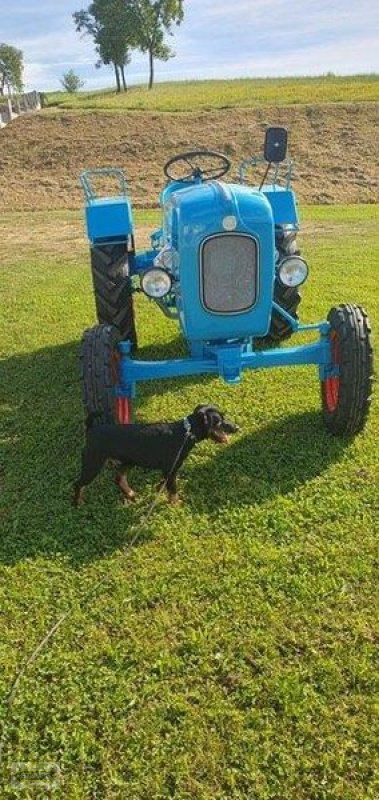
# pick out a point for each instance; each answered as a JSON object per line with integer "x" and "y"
{"x": 239, "y": 93}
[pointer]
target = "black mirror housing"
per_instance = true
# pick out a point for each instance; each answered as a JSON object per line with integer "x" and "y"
{"x": 275, "y": 149}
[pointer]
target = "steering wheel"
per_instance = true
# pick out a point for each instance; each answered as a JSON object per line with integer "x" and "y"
{"x": 197, "y": 160}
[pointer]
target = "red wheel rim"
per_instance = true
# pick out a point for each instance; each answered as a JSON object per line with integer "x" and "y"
{"x": 123, "y": 410}
{"x": 331, "y": 386}
{"x": 122, "y": 407}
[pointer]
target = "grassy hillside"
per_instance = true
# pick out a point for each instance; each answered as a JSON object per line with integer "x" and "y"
{"x": 232, "y": 655}
{"x": 246, "y": 93}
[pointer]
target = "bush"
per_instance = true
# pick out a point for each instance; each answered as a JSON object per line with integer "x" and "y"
{"x": 71, "y": 82}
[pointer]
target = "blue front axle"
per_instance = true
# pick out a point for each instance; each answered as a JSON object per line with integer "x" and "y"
{"x": 226, "y": 360}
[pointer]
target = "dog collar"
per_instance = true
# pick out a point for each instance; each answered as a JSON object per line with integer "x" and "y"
{"x": 188, "y": 428}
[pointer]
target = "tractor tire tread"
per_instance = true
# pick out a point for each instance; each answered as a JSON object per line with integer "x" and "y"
{"x": 97, "y": 346}
{"x": 113, "y": 289}
{"x": 351, "y": 324}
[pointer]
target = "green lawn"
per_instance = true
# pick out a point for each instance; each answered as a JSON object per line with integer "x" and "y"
{"x": 231, "y": 656}
{"x": 247, "y": 92}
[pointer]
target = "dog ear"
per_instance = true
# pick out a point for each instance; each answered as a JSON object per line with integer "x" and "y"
{"x": 201, "y": 412}
{"x": 207, "y": 409}
{"x": 202, "y": 418}
{"x": 214, "y": 410}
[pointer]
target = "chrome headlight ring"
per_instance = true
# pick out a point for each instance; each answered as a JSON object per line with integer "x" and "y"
{"x": 293, "y": 271}
{"x": 156, "y": 283}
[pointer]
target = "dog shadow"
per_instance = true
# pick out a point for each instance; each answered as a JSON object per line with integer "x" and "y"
{"x": 273, "y": 460}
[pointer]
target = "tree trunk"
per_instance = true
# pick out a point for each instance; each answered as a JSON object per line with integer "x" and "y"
{"x": 117, "y": 74}
{"x": 151, "y": 69}
{"x": 122, "y": 70}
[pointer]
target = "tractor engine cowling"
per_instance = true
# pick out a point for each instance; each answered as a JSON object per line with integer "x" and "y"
{"x": 223, "y": 239}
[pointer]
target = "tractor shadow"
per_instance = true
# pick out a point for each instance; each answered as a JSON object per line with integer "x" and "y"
{"x": 41, "y": 436}
{"x": 164, "y": 351}
{"x": 273, "y": 460}
{"x": 174, "y": 348}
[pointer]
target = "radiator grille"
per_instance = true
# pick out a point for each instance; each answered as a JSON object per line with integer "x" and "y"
{"x": 229, "y": 270}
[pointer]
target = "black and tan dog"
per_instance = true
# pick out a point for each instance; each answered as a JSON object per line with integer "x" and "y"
{"x": 159, "y": 446}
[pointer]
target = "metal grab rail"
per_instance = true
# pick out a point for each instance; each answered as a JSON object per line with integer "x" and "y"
{"x": 254, "y": 161}
{"x": 109, "y": 172}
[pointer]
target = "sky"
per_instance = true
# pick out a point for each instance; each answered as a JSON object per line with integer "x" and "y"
{"x": 218, "y": 39}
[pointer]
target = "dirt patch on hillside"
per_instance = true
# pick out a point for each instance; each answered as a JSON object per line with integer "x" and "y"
{"x": 43, "y": 155}
{"x": 61, "y": 234}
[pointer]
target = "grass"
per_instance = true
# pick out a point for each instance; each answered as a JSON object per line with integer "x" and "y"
{"x": 212, "y": 94}
{"x": 232, "y": 655}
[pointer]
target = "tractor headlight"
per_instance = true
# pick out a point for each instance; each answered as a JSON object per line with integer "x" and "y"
{"x": 156, "y": 283}
{"x": 293, "y": 271}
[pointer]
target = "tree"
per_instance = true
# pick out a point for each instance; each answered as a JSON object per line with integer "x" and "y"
{"x": 151, "y": 20}
{"x": 71, "y": 82}
{"x": 107, "y": 22}
{"x": 115, "y": 39}
{"x": 11, "y": 68}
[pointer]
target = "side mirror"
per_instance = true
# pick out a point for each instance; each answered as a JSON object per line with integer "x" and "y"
{"x": 275, "y": 149}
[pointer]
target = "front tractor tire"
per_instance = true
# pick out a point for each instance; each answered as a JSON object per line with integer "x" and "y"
{"x": 113, "y": 289}
{"x": 346, "y": 395}
{"x": 99, "y": 369}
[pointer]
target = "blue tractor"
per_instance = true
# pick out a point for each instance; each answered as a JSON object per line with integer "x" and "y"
{"x": 225, "y": 264}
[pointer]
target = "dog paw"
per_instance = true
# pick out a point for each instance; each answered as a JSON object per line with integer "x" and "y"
{"x": 175, "y": 500}
{"x": 77, "y": 499}
{"x": 130, "y": 498}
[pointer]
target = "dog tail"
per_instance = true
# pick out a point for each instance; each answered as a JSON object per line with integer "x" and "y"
{"x": 92, "y": 416}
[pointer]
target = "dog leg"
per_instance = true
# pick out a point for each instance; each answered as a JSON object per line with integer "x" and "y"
{"x": 122, "y": 483}
{"x": 92, "y": 463}
{"x": 172, "y": 491}
{"x": 78, "y": 498}
{"x": 172, "y": 494}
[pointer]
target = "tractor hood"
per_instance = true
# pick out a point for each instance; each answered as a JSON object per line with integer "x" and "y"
{"x": 223, "y": 235}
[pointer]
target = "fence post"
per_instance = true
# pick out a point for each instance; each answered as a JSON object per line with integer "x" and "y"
{"x": 10, "y": 109}
{"x": 37, "y": 101}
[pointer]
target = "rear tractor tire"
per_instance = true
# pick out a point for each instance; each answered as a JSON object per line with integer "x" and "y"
{"x": 289, "y": 298}
{"x": 113, "y": 289}
{"x": 346, "y": 396}
{"x": 99, "y": 362}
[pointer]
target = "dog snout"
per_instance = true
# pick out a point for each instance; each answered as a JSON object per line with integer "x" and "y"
{"x": 230, "y": 427}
